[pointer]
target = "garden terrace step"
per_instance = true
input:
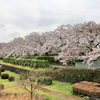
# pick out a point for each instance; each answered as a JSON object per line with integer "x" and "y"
{"x": 86, "y": 89}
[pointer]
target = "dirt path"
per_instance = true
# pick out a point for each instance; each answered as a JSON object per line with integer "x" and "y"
{"x": 57, "y": 94}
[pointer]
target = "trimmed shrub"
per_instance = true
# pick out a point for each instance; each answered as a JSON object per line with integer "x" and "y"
{"x": 11, "y": 78}
{"x": 1, "y": 86}
{"x": 49, "y": 58}
{"x": 27, "y": 62}
{"x": 42, "y": 63}
{"x": 4, "y": 76}
{"x": 1, "y": 58}
{"x": 18, "y": 62}
{"x": 54, "y": 67}
{"x": 72, "y": 75}
{"x": 29, "y": 57}
{"x": 42, "y": 57}
{"x": 12, "y": 60}
{"x": 44, "y": 80}
{"x": 35, "y": 65}
{"x": 32, "y": 78}
{"x": 2, "y": 69}
{"x": 23, "y": 76}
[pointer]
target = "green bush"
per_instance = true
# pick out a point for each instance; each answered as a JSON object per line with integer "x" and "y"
{"x": 49, "y": 58}
{"x": 4, "y": 76}
{"x": 27, "y": 62}
{"x": 42, "y": 63}
{"x": 44, "y": 80}
{"x": 1, "y": 86}
{"x": 2, "y": 69}
{"x": 42, "y": 57}
{"x": 1, "y": 58}
{"x": 72, "y": 75}
{"x": 10, "y": 60}
{"x": 23, "y": 76}
{"x": 54, "y": 67}
{"x": 11, "y": 78}
{"x": 35, "y": 65}
{"x": 18, "y": 62}
{"x": 29, "y": 57}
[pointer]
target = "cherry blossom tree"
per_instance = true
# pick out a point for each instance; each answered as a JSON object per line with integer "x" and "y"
{"x": 83, "y": 37}
{"x": 81, "y": 40}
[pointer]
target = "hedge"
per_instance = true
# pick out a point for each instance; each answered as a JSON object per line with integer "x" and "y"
{"x": 42, "y": 63}
{"x": 1, "y": 58}
{"x": 72, "y": 75}
{"x": 42, "y": 57}
{"x": 79, "y": 75}
{"x": 29, "y": 57}
{"x": 10, "y": 60}
{"x": 52, "y": 60}
{"x": 18, "y": 62}
{"x": 49, "y": 58}
{"x": 28, "y": 62}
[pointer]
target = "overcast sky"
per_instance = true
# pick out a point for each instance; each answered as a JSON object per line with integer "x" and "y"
{"x": 18, "y": 18}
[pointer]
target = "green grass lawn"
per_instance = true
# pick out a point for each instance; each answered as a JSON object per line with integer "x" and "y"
{"x": 11, "y": 74}
{"x": 60, "y": 87}
{"x": 14, "y": 87}
{"x": 57, "y": 86}
{"x": 10, "y": 86}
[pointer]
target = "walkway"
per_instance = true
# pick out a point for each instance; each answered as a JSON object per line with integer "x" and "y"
{"x": 57, "y": 94}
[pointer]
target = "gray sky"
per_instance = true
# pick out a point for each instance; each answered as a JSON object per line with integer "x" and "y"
{"x": 21, "y": 17}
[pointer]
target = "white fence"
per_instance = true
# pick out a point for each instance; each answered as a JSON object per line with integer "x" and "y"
{"x": 96, "y": 64}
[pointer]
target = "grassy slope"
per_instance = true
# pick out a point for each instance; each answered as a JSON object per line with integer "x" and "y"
{"x": 10, "y": 86}
{"x": 61, "y": 87}
{"x": 13, "y": 87}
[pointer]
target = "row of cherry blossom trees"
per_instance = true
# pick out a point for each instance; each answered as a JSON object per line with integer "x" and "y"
{"x": 81, "y": 40}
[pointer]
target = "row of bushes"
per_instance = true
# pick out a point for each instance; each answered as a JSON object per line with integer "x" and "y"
{"x": 72, "y": 75}
{"x": 6, "y": 76}
{"x": 51, "y": 59}
{"x": 1, "y": 57}
{"x": 28, "y": 62}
